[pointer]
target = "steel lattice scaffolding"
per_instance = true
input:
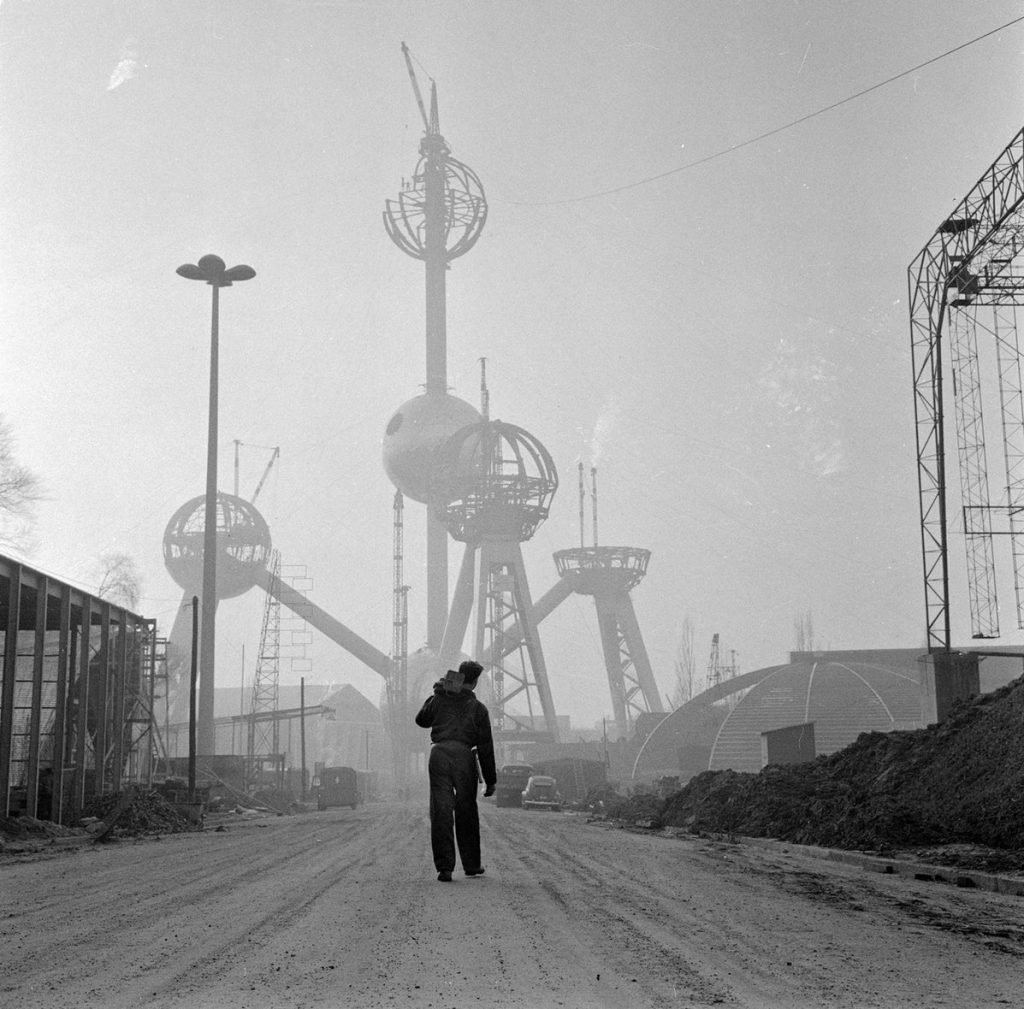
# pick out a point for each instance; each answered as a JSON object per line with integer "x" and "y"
{"x": 264, "y": 733}
{"x": 968, "y": 263}
{"x": 974, "y": 489}
{"x": 1011, "y": 403}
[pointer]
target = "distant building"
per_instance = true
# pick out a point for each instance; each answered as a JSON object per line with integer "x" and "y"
{"x": 350, "y": 733}
{"x": 842, "y": 693}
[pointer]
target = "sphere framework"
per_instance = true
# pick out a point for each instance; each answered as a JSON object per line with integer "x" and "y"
{"x": 493, "y": 480}
{"x": 243, "y": 545}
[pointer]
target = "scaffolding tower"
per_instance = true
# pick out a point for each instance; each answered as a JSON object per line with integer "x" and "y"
{"x": 967, "y": 280}
{"x": 264, "y": 733}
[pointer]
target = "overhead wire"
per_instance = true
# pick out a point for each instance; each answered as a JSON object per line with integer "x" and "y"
{"x": 768, "y": 133}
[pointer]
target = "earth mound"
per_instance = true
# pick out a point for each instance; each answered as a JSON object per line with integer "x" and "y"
{"x": 960, "y": 782}
{"x": 138, "y": 812}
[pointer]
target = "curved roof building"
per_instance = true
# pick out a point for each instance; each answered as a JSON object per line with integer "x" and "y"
{"x": 842, "y": 694}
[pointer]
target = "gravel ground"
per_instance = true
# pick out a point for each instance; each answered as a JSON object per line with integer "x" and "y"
{"x": 342, "y": 909}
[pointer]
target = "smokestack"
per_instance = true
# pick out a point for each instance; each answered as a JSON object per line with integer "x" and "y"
{"x": 593, "y": 494}
{"x": 581, "y": 503}
{"x": 485, "y": 396}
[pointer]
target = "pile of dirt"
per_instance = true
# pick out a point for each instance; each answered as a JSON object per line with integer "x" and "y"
{"x": 277, "y": 801}
{"x": 145, "y": 813}
{"x": 25, "y": 827}
{"x": 960, "y": 782}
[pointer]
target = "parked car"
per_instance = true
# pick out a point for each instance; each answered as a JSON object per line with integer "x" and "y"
{"x": 541, "y": 792}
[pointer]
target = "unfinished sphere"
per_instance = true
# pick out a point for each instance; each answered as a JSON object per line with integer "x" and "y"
{"x": 243, "y": 545}
{"x": 413, "y": 435}
{"x": 493, "y": 480}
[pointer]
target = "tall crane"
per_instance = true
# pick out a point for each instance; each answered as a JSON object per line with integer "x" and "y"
{"x": 718, "y": 670}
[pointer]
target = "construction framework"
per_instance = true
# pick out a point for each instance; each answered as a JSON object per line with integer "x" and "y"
{"x": 263, "y": 739}
{"x": 964, "y": 281}
{"x": 78, "y": 685}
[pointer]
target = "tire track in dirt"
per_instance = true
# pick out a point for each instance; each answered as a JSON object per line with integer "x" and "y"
{"x": 623, "y": 928}
{"x": 150, "y": 926}
{"x": 279, "y": 949}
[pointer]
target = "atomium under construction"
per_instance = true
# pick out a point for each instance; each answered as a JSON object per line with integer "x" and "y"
{"x": 485, "y": 483}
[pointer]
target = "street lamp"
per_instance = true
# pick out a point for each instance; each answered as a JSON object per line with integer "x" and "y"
{"x": 211, "y": 270}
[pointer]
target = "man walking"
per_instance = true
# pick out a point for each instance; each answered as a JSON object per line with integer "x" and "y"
{"x": 459, "y": 724}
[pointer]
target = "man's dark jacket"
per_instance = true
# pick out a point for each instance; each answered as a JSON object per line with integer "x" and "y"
{"x": 464, "y": 719}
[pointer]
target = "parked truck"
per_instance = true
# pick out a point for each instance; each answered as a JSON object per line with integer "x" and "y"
{"x": 337, "y": 786}
{"x": 512, "y": 779}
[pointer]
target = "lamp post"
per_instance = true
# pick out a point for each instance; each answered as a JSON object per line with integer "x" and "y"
{"x": 210, "y": 270}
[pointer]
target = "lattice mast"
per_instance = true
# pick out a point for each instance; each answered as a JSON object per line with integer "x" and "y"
{"x": 437, "y": 217}
{"x": 264, "y": 737}
{"x": 974, "y": 485}
{"x": 718, "y": 670}
{"x": 609, "y": 574}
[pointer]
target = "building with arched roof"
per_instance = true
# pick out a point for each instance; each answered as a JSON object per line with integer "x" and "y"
{"x": 841, "y": 693}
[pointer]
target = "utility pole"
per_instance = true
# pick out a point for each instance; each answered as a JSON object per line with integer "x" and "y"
{"x": 302, "y": 733}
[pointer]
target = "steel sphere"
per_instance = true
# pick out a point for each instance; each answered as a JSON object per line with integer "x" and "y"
{"x": 493, "y": 480}
{"x": 243, "y": 545}
{"x": 416, "y": 430}
{"x": 465, "y": 209}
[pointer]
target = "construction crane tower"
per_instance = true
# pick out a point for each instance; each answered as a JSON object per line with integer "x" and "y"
{"x": 264, "y": 735}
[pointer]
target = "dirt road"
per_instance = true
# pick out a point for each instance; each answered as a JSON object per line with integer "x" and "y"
{"x": 342, "y": 909}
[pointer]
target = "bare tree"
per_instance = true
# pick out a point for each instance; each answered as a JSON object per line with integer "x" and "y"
{"x": 685, "y": 666}
{"x": 20, "y": 489}
{"x": 119, "y": 580}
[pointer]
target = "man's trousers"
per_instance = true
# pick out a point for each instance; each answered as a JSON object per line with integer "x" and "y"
{"x": 453, "y": 788}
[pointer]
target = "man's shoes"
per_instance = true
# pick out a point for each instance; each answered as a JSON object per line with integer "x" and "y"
{"x": 476, "y": 872}
{"x": 444, "y": 876}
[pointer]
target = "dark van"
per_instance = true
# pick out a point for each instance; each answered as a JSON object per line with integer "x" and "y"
{"x": 338, "y": 786}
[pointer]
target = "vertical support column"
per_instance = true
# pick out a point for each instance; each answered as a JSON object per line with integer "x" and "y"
{"x": 1011, "y": 401}
{"x": 608, "y": 625}
{"x": 531, "y": 637}
{"x": 150, "y": 682}
{"x": 947, "y": 678}
{"x": 462, "y": 605}
{"x": 83, "y": 691}
{"x": 637, "y": 649}
{"x": 435, "y": 261}
{"x": 7, "y": 684}
{"x": 437, "y": 580}
{"x": 35, "y": 715}
{"x": 60, "y": 734}
{"x": 509, "y": 618}
{"x": 927, "y": 297}
{"x": 207, "y": 743}
{"x": 103, "y": 719}
{"x": 970, "y": 430}
{"x": 120, "y": 725}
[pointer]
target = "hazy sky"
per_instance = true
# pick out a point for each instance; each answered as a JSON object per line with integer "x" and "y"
{"x": 730, "y": 344}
